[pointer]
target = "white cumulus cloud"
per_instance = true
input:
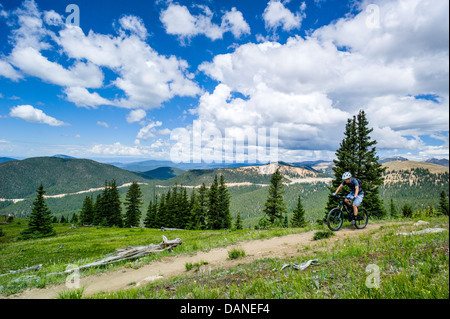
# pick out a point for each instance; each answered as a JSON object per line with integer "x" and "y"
{"x": 34, "y": 115}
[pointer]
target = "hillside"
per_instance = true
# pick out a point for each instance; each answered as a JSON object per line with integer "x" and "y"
{"x": 20, "y": 179}
{"x": 164, "y": 173}
{"x": 248, "y": 175}
{"x": 6, "y": 159}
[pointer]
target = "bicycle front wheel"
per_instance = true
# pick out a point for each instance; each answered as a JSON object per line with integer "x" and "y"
{"x": 362, "y": 219}
{"x": 335, "y": 219}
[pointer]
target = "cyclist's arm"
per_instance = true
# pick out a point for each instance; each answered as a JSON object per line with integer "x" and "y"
{"x": 338, "y": 190}
{"x": 356, "y": 191}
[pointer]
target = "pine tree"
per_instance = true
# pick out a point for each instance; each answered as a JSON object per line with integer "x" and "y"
{"x": 357, "y": 155}
{"x": 40, "y": 223}
{"x": 150, "y": 220}
{"x": 369, "y": 171}
{"x": 223, "y": 206}
{"x": 185, "y": 208}
{"x": 407, "y": 211}
{"x": 213, "y": 221}
{"x": 298, "y": 219}
{"x": 161, "y": 217}
{"x": 199, "y": 209}
{"x": 275, "y": 205}
{"x": 63, "y": 220}
{"x": 74, "y": 219}
{"x": 443, "y": 204}
{"x": 393, "y": 210}
{"x": 98, "y": 210}
{"x": 345, "y": 161}
{"x": 115, "y": 206}
{"x": 133, "y": 202}
{"x": 88, "y": 211}
{"x": 238, "y": 222}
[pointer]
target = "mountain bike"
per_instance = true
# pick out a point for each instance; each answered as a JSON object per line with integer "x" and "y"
{"x": 337, "y": 215}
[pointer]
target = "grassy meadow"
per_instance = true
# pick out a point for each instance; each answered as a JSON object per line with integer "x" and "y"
{"x": 87, "y": 244}
{"x": 410, "y": 267}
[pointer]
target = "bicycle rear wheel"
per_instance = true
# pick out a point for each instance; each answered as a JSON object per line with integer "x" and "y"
{"x": 362, "y": 219}
{"x": 335, "y": 219}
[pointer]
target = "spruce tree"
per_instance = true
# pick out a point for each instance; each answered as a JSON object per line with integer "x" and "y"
{"x": 275, "y": 205}
{"x": 162, "y": 219}
{"x": 150, "y": 220}
{"x": 224, "y": 205}
{"x": 393, "y": 210}
{"x": 133, "y": 202}
{"x": 357, "y": 155}
{"x": 40, "y": 220}
{"x": 298, "y": 219}
{"x": 238, "y": 222}
{"x": 407, "y": 211}
{"x": 213, "y": 221}
{"x": 199, "y": 209}
{"x": 443, "y": 204}
{"x": 115, "y": 206}
{"x": 369, "y": 171}
{"x": 345, "y": 161}
{"x": 88, "y": 211}
{"x": 185, "y": 208}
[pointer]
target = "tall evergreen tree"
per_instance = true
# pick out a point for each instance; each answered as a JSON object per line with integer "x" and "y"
{"x": 298, "y": 219}
{"x": 114, "y": 205}
{"x": 40, "y": 220}
{"x": 275, "y": 205}
{"x": 133, "y": 202}
{"x": 407, "y": 211}
{"x": 150, "y": 220}
{"x": 213, "y": 221}
{"x": 238, "y": 222}
{"x": 393, "y": 210}
{"x": 161, "y": 217}
{"x": 98, "y": 210}
{"x": 88, "y": 211}
{"x": 184, "y": 208}
{"x": 199, "y": 209}
{"x": 357, "y": 155}
{"x": 224, "y": 205}
{"x": 443, "y": 204}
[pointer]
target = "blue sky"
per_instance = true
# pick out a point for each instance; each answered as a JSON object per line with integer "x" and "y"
{"x": 121, "y": 84}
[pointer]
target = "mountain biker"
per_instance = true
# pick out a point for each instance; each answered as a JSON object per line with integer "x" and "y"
{"x": 356, "y": 194}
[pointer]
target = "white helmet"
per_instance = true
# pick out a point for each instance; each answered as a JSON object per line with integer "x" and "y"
{"x": 347, "y": 175}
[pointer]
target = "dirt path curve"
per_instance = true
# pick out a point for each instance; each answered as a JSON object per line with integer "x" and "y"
{"x": 284, "y": 247}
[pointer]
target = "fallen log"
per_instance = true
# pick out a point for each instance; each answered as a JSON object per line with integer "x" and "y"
{"x": 127, "y": 253}
{"x": 303, "y": 266}
{"x": 11, "y": 272}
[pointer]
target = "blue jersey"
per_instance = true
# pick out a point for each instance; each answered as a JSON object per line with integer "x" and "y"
{"x": 353, "y": 183}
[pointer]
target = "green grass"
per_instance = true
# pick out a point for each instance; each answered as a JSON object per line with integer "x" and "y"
{"x": 84, "y": 245}
{"x": 236, "y": 253}
{"x": 410, "y": 267}
{"x": 323, "y": 234}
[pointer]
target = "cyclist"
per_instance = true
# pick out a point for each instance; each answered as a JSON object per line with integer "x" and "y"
{"x": 356, "y": 194}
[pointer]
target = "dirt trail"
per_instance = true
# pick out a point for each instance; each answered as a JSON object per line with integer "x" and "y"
{"x": 284, "y": 247}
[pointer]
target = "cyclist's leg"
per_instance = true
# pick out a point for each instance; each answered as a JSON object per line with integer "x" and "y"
{"x": 349, "y": 199}
{"x": 356, "y": 203}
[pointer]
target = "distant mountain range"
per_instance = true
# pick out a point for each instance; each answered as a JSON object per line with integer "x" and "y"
{"x": 443, "y": 162}
{"x": 418, "y": 183}
{"x": 6, "y": 159}
{"x": 392, "y": 159}
{"x": 19, "y": 179}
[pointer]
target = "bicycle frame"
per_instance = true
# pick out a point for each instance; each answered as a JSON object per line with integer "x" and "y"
{"x": 346, "y": 209}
